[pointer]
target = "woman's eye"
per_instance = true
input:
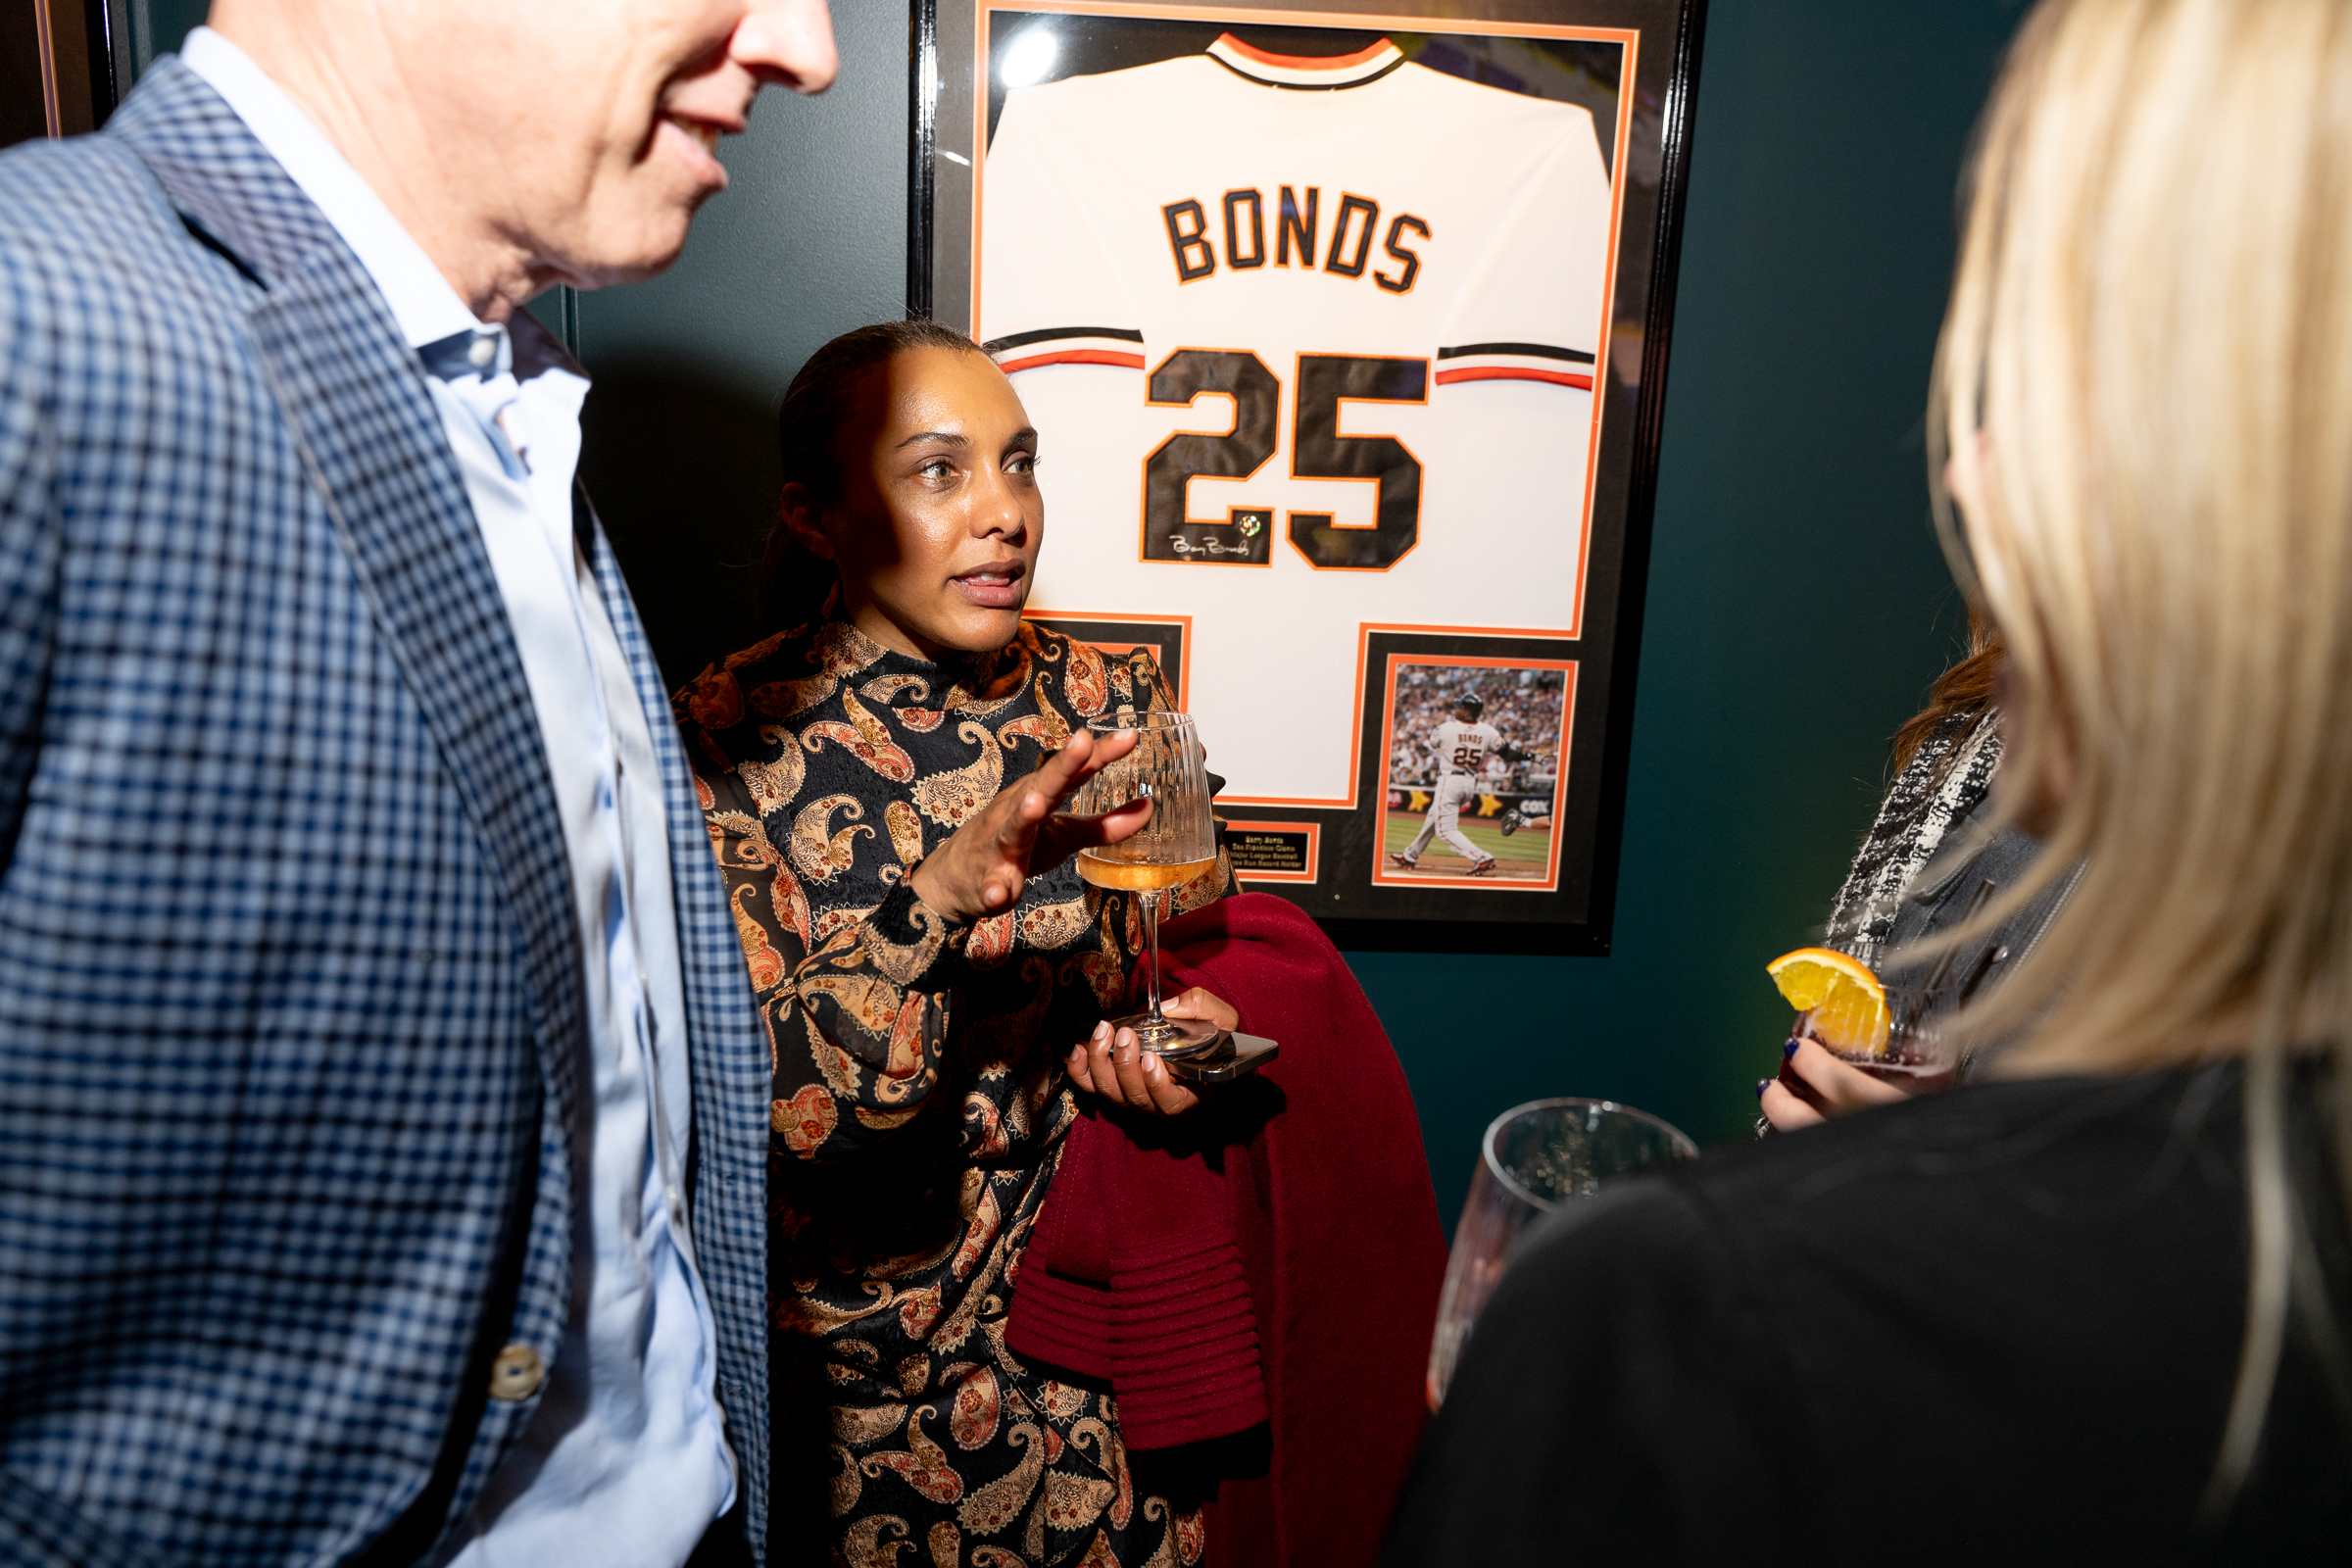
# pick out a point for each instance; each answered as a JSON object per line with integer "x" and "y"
{"x": 936, "y": 469}
{"x": 1021, "y": 463}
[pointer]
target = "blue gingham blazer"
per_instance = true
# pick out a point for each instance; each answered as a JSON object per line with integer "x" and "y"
{"x": 290, "y": 1020}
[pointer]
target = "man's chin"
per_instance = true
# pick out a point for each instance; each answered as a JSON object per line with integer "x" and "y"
{"x": 628, "y": 256}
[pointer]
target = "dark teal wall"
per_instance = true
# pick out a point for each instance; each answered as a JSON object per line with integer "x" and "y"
{"x": 158, "y": 26}
{"x": 1797, "y": 606}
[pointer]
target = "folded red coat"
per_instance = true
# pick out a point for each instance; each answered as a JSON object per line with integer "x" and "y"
{"x": 1132, "y": 1275}
{"x": 1282, "y": 1267}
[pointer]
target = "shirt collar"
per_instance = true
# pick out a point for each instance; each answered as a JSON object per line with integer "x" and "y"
{"x": 422, "y": 302}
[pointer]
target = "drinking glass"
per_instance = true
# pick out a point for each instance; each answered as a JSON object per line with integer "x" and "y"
{"x": 1923, "y": 1049}
{"x": 1533, "y": 1158}
{"x": 1168, "y": 768}
{"x": 1921, "y": 1052}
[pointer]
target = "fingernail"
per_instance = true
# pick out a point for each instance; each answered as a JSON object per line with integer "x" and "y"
{"x": 1103, "y": 1029}
{"x": 1762, "y": 1084}
{"x": 1788, "y": 1046}
{"x": 1151, "y": 1068}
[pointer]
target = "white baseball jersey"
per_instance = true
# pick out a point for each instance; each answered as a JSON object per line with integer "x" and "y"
{"x": 1464, "y": 748}
{"x": 1332, "y": 319}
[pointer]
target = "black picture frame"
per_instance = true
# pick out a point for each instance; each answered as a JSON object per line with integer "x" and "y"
{"x": 1568, "y": 907}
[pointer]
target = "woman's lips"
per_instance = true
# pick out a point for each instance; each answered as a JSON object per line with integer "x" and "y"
{"x": 996, "y": 586}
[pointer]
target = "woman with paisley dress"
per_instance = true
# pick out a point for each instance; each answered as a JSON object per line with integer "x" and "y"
{"x": 879, "y": 779}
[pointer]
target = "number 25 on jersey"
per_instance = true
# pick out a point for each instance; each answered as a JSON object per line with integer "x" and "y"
{"x": 1321, "y": 382}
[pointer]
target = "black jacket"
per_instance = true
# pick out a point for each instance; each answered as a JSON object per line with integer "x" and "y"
{"x": 1999, "y": 1325}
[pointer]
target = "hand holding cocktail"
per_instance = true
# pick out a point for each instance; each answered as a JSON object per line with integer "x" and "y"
{"x": 982, "y": 869}
{"x": 1857, "y": 1041}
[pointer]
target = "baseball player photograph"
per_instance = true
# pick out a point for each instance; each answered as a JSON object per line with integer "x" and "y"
{"x": 1473, "y": 753}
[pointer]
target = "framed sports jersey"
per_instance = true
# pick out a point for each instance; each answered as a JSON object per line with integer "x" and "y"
{"x": 1344, "y": 336}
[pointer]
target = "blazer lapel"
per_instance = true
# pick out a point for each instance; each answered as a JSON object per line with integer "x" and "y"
{"x": 733, "y": 1076}
{"x": 372, "y": 443}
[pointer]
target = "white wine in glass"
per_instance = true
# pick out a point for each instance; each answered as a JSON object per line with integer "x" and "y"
{"x": 1168, "y": 768}
{"x": 1104, "y": 872}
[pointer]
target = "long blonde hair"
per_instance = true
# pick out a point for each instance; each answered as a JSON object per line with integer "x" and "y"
{"x": 2148, "y": 369}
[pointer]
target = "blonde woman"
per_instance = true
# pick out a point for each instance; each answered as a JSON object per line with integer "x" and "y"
{"x": 2094, "y": 1309}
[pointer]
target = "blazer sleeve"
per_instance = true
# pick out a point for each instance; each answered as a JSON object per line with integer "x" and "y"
{"x": 856, "y": 1017}
{"x": 31, "y": 554}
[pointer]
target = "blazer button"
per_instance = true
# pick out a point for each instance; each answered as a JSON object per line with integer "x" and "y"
{"x": 516, "y": 1373}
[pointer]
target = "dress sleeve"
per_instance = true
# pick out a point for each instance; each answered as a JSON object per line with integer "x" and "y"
{"x": 855, "y": 1018}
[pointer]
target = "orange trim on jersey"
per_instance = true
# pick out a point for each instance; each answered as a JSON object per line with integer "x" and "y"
{"x": 1125, "y": 361}
{"x": 1305, "y": 62}
{"x": 1511, "y": 373}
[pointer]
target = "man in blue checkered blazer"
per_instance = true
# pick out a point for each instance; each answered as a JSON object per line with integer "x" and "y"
{"x": 308, "y": 1059}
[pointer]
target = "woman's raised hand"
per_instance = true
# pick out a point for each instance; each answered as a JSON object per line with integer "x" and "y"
{"x": 981, "y": 870}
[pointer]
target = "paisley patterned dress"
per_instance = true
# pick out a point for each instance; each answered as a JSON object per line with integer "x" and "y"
{"x": 920, "y": 1096}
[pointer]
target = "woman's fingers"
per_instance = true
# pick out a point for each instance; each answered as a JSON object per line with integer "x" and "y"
{"x": 1069, "y": 834}
{"x": 1127, "y": 1061}
{"x": 1035, "y": 837}
{"x": 1840, "y": 1086}
{"x": 982, "y": 868}
{"x": 1083, "y": 756}
{"x": 1205, "y": 1006}
{"x": 1784, "y": 1111}
{"x": 1117, "y": 1067}
{"x": 1169, "y": 1096}
{"x": 1081, "y": 1058}
{"x": 1145, "y": 1081}
{"x": 1100, "y": 1077}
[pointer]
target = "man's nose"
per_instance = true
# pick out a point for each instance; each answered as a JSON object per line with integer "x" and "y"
{"x": 789, "y": 41}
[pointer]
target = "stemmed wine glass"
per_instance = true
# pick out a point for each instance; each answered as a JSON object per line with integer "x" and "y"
{"x": 1168, "y": 768}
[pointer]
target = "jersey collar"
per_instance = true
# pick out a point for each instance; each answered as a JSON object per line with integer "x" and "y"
{"x": 1306, "y": 72}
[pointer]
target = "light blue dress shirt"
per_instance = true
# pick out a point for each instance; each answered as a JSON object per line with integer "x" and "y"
{"x": 625, "y": 1463}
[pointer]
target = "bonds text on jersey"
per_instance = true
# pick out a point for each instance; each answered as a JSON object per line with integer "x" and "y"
{"x": 1297, "y": 226}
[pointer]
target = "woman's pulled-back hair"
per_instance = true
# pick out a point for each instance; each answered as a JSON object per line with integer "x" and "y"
{"x": 793, "y": 582}
{"x": 2147, "y": 372}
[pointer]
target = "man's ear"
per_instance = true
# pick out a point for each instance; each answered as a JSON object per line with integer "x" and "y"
{"x": 804, "y": 519}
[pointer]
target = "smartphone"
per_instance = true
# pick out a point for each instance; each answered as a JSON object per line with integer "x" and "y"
{"x": 1229, "y": 1059}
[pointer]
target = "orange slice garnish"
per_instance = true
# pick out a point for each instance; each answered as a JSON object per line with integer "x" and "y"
{"x": 1847, "y": 1003}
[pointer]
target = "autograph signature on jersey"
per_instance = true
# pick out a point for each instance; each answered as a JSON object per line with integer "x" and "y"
{"x": 1250, "y": 525}
{"x": 1211, "y": 547}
